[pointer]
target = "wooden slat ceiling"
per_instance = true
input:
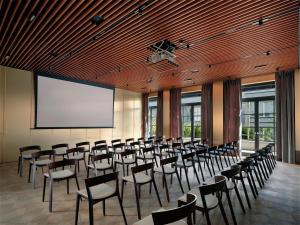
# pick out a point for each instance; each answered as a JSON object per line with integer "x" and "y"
{"x": 225, "y": 39}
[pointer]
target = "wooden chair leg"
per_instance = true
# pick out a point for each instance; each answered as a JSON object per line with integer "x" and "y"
{"x": 50, "y": 194}
{"x": 77, "y": 184}
{"x": 137, "y": 202}
{"x": 223, "y": 212}
{"x": 251, "y": 187}
{"x": 91, "y": 213}
{"x": 44, "y": 188}
{"x": 122, "y": 209}
{"x": 187, "y": 178}
{"x": 29, "y": 173}
{"x": 19, "y": 162}
{"x": 122, "y": 189}
{"x": 179, "y": 181}
{"x": 231, "y": 208}
{"x": 103, "y": 207}
{"x": 167, "y": 191}
{"x": 156, "y": 191}
{"x": 239, "y": 198}
{"x": 68, "y": 188}
{"x": 77, "y": 208}
{"x": 246, "y": 193}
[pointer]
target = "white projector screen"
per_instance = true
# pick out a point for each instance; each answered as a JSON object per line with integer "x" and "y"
{"x": 65, "y": 103}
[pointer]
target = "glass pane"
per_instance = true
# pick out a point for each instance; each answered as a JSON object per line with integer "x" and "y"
{"x": 248, "y": 107}
{"x": 248, "y": 120}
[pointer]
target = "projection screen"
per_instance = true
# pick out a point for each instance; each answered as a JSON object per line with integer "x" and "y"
{"x": 66, "y": 103}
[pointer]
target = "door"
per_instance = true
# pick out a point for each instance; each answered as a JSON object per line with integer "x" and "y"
{"x": 258, "y": 123}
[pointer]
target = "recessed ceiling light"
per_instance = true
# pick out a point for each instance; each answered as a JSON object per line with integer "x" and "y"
{"x": 32, "y": 17}
{"x": 188, "y": 80}
{"x": 209, "y": 66}
{"x": 195, "y": 71}
{"x": 7, "y": 57}
{"x": 97, "y": 20}
{"x": 267, "y": 52}
{"x": 260, "y": 66}
{"x": 143, "y": 88}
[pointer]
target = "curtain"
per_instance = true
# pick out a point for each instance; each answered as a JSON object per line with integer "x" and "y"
{"x": 231, "y": 110}
{"x": 145, "y": 97}
{"x": 285, "y": 116}
{"x": 207, "y": 113}
{"x": 175, "y": 112}
{"x": 159, "y": 115}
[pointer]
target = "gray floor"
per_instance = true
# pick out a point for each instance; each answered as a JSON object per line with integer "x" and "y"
{"x": 278, "y": 202}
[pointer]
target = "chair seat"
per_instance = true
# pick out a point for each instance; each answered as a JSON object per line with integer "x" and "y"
{"x": 126, "y": 161}
{"x": 43, "y": 162}
{"x": 161, "y": 153}
{"x": 60, "y": 152}
{"x": 244, "y": 175}
{"x": 168, "y": 170}
{"x": 211, "y": 200}
{"x": 27, "y": 154}
{"x": 187, "y": 164}
{"x": 100, "y": 166}
{"x": 98, "y": 192}
{"x": 141, "y": 178}
{"x": 230, "y": 185}
{"x": 77, "y": 156}
{"x": 149, "y": 221}
{"x": 61, "y": 174}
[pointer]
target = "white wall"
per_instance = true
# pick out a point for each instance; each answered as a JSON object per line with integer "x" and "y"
{"x": 17, "y": 117}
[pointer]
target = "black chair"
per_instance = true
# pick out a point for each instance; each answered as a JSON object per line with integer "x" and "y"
{"x": 101, "y": 162}
{"x": 148, "y": 154}
{"x": 128, "y": 141}
{"x": 97, "y": 190}
{"x": 127, "y": 158}
{"x": 78, "y": 154}
{"x": 168, "y": 170}
{"x": 25, "y": 154}
{"x": 100, "y": 142}
{"x": 201, "y": 156}
{"x": 186, "y": 162}
{"x": 60, "y": 150}
{"x": 162, "y": 151}
{"x": 211, "y": 195}
{"x": 214, "y": 155}
{"x": 55, "y": 175}
{"x": 172, "y": 216}
{"x": 85, "y": 144}
{"x": 99, "y": 149}
{"x": 139, "y": 178}
{"x": 231, "y": 183}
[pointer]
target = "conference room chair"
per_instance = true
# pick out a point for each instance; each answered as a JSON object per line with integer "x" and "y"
{"x": 141, "y": 139}
{"x": 186, "y": 162}
{"x": 99, "y": 189}
{"x": 85, "y": 144}
{"x": 262, "y": 160}
{"x": 169, "y": 142}
{"x": 231, "y": 183}
{"x": 78, "y": 154}
{"x": 101, "y": 162}
{"x": 128, "y": 141}
{"x": 175, "y": 216}
{"x": 151, "y": 138}
{"x": 167, "y": 167}
{"x": 224, "y": 155}
{"x": 158, "y": 143}
{"x": 162, "y": 151}
{"x": 97, "y": 150}
{"x": 235, "y": 146}
{"x": 257, "y": 164}
{"x": 187, "y": 146}
{"x": 245, "y": 175}
{"x": 60, "y": 150}
{"x": 117, "y": 149}
{"x": 215, "y": 156}
{"x": 56, "y": 175}
{"x": 135, "y": 146}
{"x": 100, "y": 142}
{"x": 139, "y": 178}
{"x": 148, "y": 154}
{"x": 200, "y": 158}
{"x": 231, "y": 151}
{"x": 175, "y": 150}
{"x": 179, "y": 140}
{"x": 209, "y": 197}
{"x": 40, "y": 159}
{"x": 127, "y": 158}
{"x": 116, "y": 141}
{"x": 25, "y": 154}
{"x": 256, "y": 169}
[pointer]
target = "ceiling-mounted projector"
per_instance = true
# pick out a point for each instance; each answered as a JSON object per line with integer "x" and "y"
{"x": 162, "y": 50}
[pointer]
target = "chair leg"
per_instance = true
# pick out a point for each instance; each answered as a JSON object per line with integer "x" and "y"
{"x": 19, "y": 162}
{"x": 167, "y": 191}
{"x": 103, "y": 207}
{"x": 33, "y": 175}
{"x": 21, "y": 168}
{"x": 253, "y": 182}
{"x": 231, "y": 208}
{"x": 91, "y": 213}
{"x": 246, "y": 193}
{"x": 201, "y": 171}
{"x": 207, "y": 216}
{"x": 122, "y": 189}
{"x": 77, "y": 208}
{"x": 122, "y": 209}
{"x": 137, "y": 201}
{"x": 257, "y": 178}
{"x": 29, "y": 174}
{"x": 87, "y": 172}
{"x": 68, "y": 188}
{"x": 187, "y": 177}
{"x": 195, "y": 171}
{"x": 239, "y": 198}
{"x": 77, "y": 183}
{"x": 207, "y": 167}
{"x": 44, "y": 188}
{"x": 180, "y": 184}
{"x": 251, "y": 187}
{"x": 50, "y": 194}
{"x": 260, "y": 176}
{"x": 156, "y": 191}
{"x": 223, "y": 212}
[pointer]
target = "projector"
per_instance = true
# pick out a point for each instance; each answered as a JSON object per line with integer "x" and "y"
{"x": 162, "y": 50}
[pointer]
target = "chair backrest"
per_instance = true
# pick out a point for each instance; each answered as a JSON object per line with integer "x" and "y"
{"x": 91, "y": 182}
{"x": 107, "y": 156}
{"x": 233, "y": 171}
{"x": 142, "y": 167}
{"x": 172, "y": 215}
{"x": 188, "y": 156}
{"x": 152, "y": 138}
{"x": 212, "y": 149}
{"x": 85, "y": 144}
{"x": 200, "y": 152}
{"x": 179, "y": 140}
{"x": 76, "y": 150}
{"x": 176, "y": 145}
{"x": 127, "y": 153}
{"x": 186, "y": 144}
{"x": 119, "y": 145}
{"x": 30, "y": 148}
{"x": 159, "y": 141}
{"x": 134, "y": 144}
{"x": 169, "y": 141}
{"x": 129, "y": 140}
{"x": 62, "y": 163}
{"x": 170, "y": 160}
{"x": 102, "y": 147}
{"x": 217, "y": 186}
{"x": 38, "y": 154}
{"x": 63, "y": 145}
{"x": 148, "y": 150}
{"x": 164, "y": 147}
{"x": 141, "y": 139}
{"x": 196, "y": 143}
{"x": 100, "y": 142}
{"x": 148, "y": 143}
{"x": 115, "y": 141}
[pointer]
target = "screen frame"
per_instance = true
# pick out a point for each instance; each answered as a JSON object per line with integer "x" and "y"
{"x": 71, "y": 79}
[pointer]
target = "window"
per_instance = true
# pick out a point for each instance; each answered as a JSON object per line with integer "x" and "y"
{"x": 152, "y": 111}
{"x": 191, "y": 115}
{"x": 258, "y": 116}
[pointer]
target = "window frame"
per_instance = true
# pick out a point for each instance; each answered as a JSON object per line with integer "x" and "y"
{"x": 150, "y": 131}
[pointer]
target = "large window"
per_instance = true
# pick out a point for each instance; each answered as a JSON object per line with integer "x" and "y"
{"x": 258, "y": 115}
{"x": 152, "y": 110}
{"x": 191, "y": 115}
